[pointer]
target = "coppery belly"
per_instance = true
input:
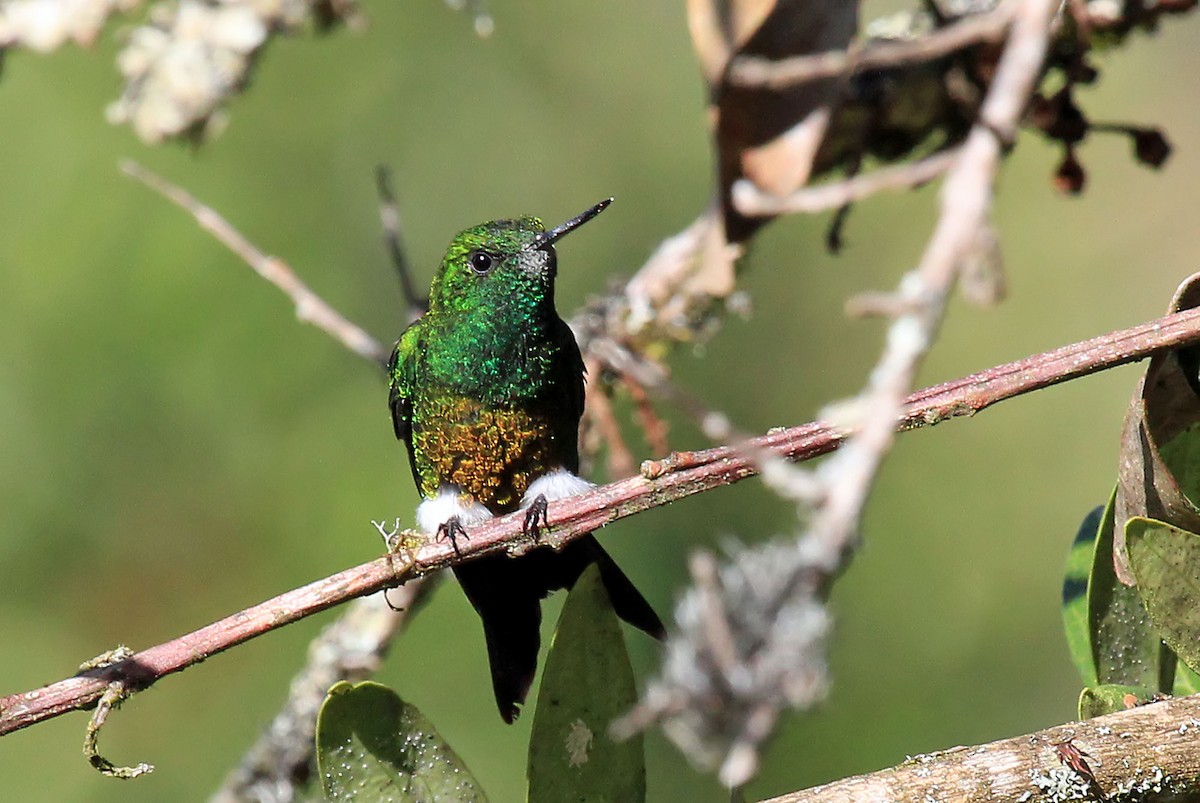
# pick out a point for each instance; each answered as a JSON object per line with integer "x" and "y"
{"x": 491, "y": 454}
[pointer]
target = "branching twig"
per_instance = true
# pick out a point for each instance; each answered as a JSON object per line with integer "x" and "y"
{"x": 966, "y": 203}
{"x": 310, "y": 308}
{"x": 775, "y": 590}
{"x": 650, "y": 377}
{"x": 986, "y": 27}
{"x": 680, "y": 475}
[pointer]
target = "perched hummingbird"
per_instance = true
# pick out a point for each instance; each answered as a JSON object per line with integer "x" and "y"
{"x": 487, "y": 393}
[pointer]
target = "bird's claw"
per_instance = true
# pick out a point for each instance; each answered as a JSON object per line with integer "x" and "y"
{"x": 453, "y": 529}
{"x": 538, "y": 511}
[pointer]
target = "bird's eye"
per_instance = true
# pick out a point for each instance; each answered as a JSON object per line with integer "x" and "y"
{"x": 481, "y": 261}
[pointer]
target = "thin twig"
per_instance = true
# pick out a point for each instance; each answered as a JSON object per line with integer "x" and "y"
{"x": 750, "y": 200}
{"x": 986, "y": 27}
{"x": 602, "y": 424}
{"x": 389, "y": 222}
{"x": 663, "y": 481}
{"x": 715, "y": 425}
{"x": 653, "y": 427}
{"x": 310, "y": 308}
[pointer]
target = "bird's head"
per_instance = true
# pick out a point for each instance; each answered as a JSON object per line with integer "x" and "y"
{"x": 502, "y": 259}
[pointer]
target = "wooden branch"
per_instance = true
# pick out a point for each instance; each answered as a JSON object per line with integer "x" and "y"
{"x": 1140, "y": 753}
{"x": 680, "y": 475}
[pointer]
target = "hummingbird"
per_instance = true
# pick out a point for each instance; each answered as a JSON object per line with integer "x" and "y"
{"x": 486, "y": 391}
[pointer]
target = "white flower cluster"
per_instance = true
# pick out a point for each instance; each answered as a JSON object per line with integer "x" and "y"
{"x": 187, "y": 60}
{"x": 44, "y": 25}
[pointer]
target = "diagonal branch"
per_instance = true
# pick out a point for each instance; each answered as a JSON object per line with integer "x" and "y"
{"x": 389, "y": 220}
{"x": 662, "y": 481}
{"x": 310, "y": 307}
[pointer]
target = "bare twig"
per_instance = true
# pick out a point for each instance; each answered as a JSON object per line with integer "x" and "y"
{"x": 389, "y": 222}
{"x": 310, "y": 308}
{"x": 649, "y": 376}
{"x": 986, "y": 27}
{"x": 750, "y": 200}
{"x": 1145, "y": 753}
{"x": 662, "y": 481}
{"x": 601, "y": 426}
{"x": 653, "y": 427}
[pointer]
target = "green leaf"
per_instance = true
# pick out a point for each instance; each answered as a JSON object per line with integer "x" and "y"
{"x": 1181, "y": 454}
{"x": 1186, "y": 681}
{"x": 1126, "y": 647}
{"x": 1074, "y": 597}
{"x": 373, "y": 747}
{"x": 1166, "y": 563}
{"x": 1100, "y": 700}
{"x": 587, "y": 683}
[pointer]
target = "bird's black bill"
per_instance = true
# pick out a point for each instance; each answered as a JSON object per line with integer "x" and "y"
{"x": 555, "y": 233}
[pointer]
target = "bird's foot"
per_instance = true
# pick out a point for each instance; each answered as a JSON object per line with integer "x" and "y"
{"x": 453, "y": 529}
{"x": 538, "y": 510}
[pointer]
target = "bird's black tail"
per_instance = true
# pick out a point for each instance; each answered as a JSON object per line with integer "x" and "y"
{"x": 507, "y": 594}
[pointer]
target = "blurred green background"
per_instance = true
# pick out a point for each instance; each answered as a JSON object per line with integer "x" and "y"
{"x": 175, "y": 447}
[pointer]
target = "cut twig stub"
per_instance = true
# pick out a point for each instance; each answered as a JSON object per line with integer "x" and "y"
{"x": 1165, "y": 405}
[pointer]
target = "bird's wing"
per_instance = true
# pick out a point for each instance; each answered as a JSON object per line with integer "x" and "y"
{"x": 573, "y": 388}
{"x": 400, "y": 370}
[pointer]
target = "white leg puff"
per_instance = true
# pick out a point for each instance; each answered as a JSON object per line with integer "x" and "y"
{"x": 557, "y": 484}
{"x": 450, "y": 502}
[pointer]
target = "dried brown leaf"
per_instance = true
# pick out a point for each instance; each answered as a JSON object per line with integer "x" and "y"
{"x": 785, "y": 163}
{"x": 770, "y": 136}
{"x": 1165, "y": 404}
{"x": 720, "y": 28}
